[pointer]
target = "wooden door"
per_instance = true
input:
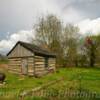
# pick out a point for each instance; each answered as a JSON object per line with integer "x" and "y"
{"x": 24, "y": 66}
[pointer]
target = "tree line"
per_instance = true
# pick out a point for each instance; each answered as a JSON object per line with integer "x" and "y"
{"x": 71, "y": 48}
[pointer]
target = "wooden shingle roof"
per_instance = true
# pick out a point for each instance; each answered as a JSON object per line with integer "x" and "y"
{"x": 35, "y": 49}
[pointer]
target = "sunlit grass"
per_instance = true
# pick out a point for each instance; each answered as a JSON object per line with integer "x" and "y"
{"x": 15, "y": 84}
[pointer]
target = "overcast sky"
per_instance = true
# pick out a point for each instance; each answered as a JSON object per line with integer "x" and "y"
{"x": 18, "y": 16}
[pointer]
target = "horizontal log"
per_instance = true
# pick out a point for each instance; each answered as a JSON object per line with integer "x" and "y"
{"x": 39, "y": 66}
{"x": 12, "y": 66}
{"x": 39, "y": 63}
{"x": 31, "y": 58}
{"x": 30, "y": 64}
{"x": 51, "y": 61}
{"x": 30, "y": 68}
{"x": 51, "y": 67}
{"x": 51, "y": 64}
{"x": 17, "y": 59}
{"x": 38, "y": 57}
{"x": 16, "y": 70}
{"x": 39, "y": 69}
{"x": 19, "y": 67}
{"x": 15, "y": 64}
{"x": 14, "y": 60}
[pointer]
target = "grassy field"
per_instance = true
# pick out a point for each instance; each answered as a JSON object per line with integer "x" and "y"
{"x": 74, "y": 79}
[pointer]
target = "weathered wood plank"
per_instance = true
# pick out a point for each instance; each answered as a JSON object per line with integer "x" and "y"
{"x": 16, "y": 70}
{"x": 20, "y": 51}
{"x": 39, "y": 60}
{"x": 15, "y": 65}
{"x": 38, "y": 56}
{"x": 39, "y": 63}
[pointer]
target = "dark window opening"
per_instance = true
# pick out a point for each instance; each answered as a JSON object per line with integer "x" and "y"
{"x": 46, "y": 62}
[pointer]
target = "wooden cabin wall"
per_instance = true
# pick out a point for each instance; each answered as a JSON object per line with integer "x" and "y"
{"x": 15, "y": 65}
{"x": 30, "y": 66}
{"x": 52, "y": 63}
{"x": 36, "y": 64}
{"x": 20, "y": 51}
{"x": 39, "y": 63}
{"x": 15, "y": 59}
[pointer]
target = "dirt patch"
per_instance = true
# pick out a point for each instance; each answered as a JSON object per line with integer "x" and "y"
{"x": 3, "y": 67}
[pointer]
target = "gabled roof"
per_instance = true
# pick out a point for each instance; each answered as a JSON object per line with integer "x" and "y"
{"x": 35, "y": 49}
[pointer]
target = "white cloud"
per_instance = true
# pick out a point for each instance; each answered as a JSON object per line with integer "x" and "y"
{"x": 71, "y": 15}
{"x": 10, "y": 41}
{"x": 21, "y": 14}
{"x": 68, "y": 14}
{"x": 88, "y": 26}
{"x": 85, "y": 27}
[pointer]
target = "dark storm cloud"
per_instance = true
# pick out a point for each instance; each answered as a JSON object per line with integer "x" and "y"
{"x": 16, "y": 15}
{"x": 89, "y": 8}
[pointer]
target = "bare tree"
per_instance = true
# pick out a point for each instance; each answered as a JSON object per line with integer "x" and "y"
{"x": 70, "y": 44}
{"x": 51, "y": 34}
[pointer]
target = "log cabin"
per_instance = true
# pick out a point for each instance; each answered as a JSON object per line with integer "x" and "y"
{"x": 29, "y": 59}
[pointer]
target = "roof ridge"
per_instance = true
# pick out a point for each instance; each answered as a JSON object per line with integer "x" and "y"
{"x": 33, "y": 45}
{"x": 36, "y": 49}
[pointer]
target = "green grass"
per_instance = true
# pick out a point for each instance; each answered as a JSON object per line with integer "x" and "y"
{"x": 3, "y": 61}
{"x": 76, "y": 79}
{"x": 15, "y": 84}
